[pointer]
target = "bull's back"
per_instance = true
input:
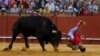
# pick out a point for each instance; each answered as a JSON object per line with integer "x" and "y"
{"x": 29, "y": 23}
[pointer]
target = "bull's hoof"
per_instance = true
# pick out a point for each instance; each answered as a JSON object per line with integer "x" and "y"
{"x": 44, "y": 50}
{"x": 56, "y": 50}
{"x": 6, "y": 49}
{"x": 24, "y": 49}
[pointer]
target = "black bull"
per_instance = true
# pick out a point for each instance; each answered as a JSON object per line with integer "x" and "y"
{"x": 38, "y": 26}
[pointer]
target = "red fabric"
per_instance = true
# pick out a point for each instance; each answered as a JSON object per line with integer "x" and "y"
{"x": 77, "y": 39}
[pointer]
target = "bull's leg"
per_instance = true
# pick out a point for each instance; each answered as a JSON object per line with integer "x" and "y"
{"x": 41, "y": 41}
{"x": 55, "y": 46}
{"x": 26, "y": 42}
{"x": 42, "y": 44}
{"x": 10, "y": 45}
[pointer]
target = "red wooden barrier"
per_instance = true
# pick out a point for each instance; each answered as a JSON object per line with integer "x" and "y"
{"x": 92, "y": 29}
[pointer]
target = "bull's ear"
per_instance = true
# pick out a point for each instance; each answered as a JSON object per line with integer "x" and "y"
{"x": 54, "y": 31}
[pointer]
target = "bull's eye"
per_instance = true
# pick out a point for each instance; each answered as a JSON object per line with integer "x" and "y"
{"x": 52, "y": 25}
{"x": 54, "y": 31}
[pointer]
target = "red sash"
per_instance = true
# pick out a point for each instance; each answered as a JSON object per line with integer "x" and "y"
{"x": 77, "y": 39}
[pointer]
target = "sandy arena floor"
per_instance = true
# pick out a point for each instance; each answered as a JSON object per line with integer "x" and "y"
{"x": 35, "y": 50}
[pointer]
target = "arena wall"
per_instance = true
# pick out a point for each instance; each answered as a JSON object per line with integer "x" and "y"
{"x": 91, "y": 31}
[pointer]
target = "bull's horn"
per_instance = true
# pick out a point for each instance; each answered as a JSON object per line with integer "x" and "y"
{"x": 54, "y": 31}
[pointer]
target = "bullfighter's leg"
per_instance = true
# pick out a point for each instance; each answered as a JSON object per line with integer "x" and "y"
{"x": 10, "y": 45}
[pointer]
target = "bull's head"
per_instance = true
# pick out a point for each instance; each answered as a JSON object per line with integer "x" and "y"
{"x": 56, "y": 37}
